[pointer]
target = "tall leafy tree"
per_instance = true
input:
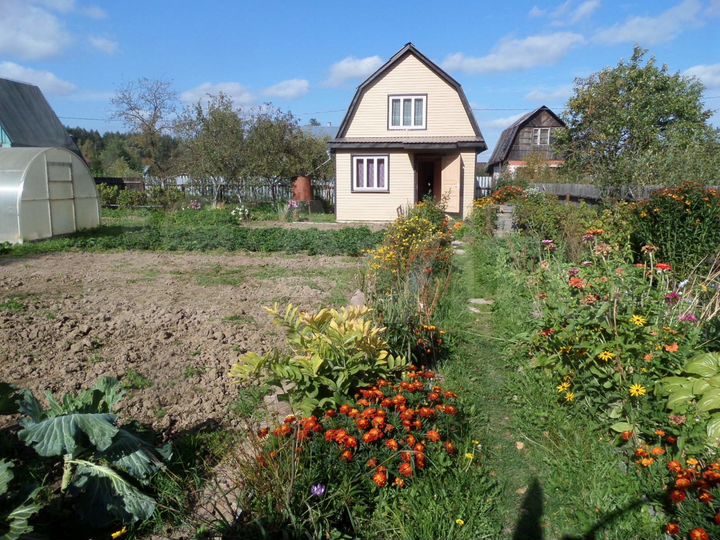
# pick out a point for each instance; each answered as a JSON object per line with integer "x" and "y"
{"x": 638, "y": 124}
{"x": 212, "y": 144}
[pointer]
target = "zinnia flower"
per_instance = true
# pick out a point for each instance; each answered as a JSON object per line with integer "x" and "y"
{"x": 638, "y": 390}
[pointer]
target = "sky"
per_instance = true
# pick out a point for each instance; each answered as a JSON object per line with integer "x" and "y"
{"x": 309, "y": 57}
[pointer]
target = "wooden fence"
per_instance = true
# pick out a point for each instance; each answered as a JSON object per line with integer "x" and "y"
{"x": 484, "y": 186}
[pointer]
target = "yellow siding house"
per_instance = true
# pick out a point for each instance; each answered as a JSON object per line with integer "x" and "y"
{"x": 409, "y": 133}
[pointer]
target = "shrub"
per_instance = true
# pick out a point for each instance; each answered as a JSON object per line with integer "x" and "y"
{"x": 167, "y": 198}
{"x": 332, "y": 355}
{"x": 108, "y": 194}
{"x": 685, "y": 223}
{"x": 129, "y": 198}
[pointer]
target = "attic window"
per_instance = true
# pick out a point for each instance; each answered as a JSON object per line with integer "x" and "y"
{"x": 407, "y": 112}
{"x": 541, "y": 136}
{"x": 370, "y": 173}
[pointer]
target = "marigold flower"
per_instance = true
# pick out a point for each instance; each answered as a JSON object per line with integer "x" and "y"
{"x": 670, "y": 439}
{"x": 331, "y": 413}
{"x": 626, "y": 435}
{"x": 419, "y": 448}
{"x": 672, "y": 348}
{"x": 346, "y": 456}
{"x": 706, "y": 497}
{"x": 406, "y": 456}
{"x": 399, "y": 483}
{"x": 420, "y": 461}
{"x": 263, "y": 432}
{"x": 450, "y": 448}
{"x": 371, "y": 463}
{"x": 411, "y": 440}
{"x": 351, "y": 442}
{"x": 393, "y": 445}
{"x": 692, "y": 462}
{"x": 647, "y": 462}
{"x": 648, "y": 357}
{"x": 699, "y": 534}
{"x": 344, "y": 409}
{"x": 677, "y": 496}
{"x": 716, "y": 519}
{"x": 380, "y": 479}
{"x": 406, "y": 470}
{"x": 683, "y": 483}
{"x": 638, "y": 390}
{"x": 433, "y": 436}
{"x": 657, "y": 451}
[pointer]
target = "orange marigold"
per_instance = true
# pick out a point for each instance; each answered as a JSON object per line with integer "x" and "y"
{"x": 434, "y": 436}
{"x": 406, "y": 470}
{"x": 673, "y": 529}
{"x": 393, "y": 445}
{"x": 380, "y": 479}
{"x": 699, "y": 534}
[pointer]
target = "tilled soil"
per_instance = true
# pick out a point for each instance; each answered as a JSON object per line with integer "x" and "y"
{"x": 169, "y": 326}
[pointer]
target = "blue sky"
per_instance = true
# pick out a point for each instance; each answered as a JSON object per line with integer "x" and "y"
{"x": 308, "y": 57}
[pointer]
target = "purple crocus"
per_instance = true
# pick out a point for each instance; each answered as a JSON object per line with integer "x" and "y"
{"x": 318, "y": 490}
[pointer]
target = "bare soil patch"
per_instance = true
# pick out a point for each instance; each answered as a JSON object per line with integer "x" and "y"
{"x": 169, "y": 326}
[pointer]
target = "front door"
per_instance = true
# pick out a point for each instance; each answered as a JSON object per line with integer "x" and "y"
{"x": 428, "y": 178}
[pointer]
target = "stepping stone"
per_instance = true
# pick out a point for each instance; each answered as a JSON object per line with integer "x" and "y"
{"x": 458, "y": 243}
{"x": 459, "y": 251}
{"x": 472, "y": 309}
{"x": 481, "y": 302}
{"x": 357, "y": 299}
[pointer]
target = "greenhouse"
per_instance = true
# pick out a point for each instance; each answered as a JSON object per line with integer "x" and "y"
{"x": 45, "y": 192}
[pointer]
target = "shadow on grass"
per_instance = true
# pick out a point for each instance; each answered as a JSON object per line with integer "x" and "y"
{"x": 529, "y": 525}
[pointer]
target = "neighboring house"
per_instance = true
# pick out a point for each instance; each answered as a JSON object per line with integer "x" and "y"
{"x": 531, "y": 134}
{"x": 409, "y": 133}
{"x": 27, "y": 120}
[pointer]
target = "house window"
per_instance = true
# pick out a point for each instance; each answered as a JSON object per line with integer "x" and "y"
{"x": 370, "y": 173}
{"x": 407, "y": 112}
{"x": 541, "y": 136}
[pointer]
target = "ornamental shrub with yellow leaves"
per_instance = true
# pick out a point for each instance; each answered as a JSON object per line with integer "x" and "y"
{"x": 333, "y": 353}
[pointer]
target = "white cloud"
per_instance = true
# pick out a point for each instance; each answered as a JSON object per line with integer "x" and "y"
{"x": 713, "y": 10}
{"x": 30, "y": 32}
{"x": 240, "y": 95}
{"x": 654, "y": 30}
{"x": 536, "y": 12}
{"x": 517, "y": 54}
{"x": 709, "y": 75}
{"x": 94, "y": 12}
{"x": 352, "y": 68}
{"x": 290, "y": 89}
{"x": 548, "y": 95}
{"x": 108, "y": 46}
{"x": 63, "y": 6}
{"x": 48, "y": 82}
{"x": 501, "y": 123}
{"x": 584, "y": 10}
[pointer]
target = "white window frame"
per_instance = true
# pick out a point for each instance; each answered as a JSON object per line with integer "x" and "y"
{"x": 375, "y": 188}
{"x": 538, "y": 136}
{"x": 413, "y": 98}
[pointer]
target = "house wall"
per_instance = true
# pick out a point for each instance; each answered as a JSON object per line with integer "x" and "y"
{"x": 351, "y": 206}
{"x": 523, "y": 145}
{"x": 446, "y": 116}
{"x": 468, "y": 182}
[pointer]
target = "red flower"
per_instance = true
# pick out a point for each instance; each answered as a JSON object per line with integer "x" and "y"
{"x": 344, "y": 409}
{"x": 411, "y": 440}
{"x": 363, "y": 424}
{"x": 283, "y": 431}
{"x": 372, "y": 463}
{"x": 683, "y": 483}
{"x": 657, "y": 451}
{"x": 380, "y": 479}
{"x": 663, "y": 267}
{"x": 674, "y": 466}
{"x": 434, "y": 436}
{"x": 393, "y": 445}
{"x": 706, "y": 497}
{"x": 346, "y": 456}
{"x": 351, "y": 442}
{"x": 406, "y": 456}
{"x": 419, "y": 448}
{"x": 450, "y": 448}
{"x": 699, "y": 534}
{"x": 406, "y": 470}
{"x": 263, "y": 432}
{"x": 420, "y": 461}
{"x": 716, "y": 519}
{"x": 673, "y": 529}
{"x": 677, "y": 496}
{"x": 427, "y": 412}
{"x": 626, "y": 435}
{"x": 332, "y": 413}
{"x": 577, "y": 283}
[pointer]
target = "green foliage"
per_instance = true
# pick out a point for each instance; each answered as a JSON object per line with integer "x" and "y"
{"x": 12, "y": 305}
{"x": 205, "y": 230}
{"x": 135, "y": 380}
{"x": 536, "y": 169}
{"x": 638, "y": 124}
{"x": 684, "y": 222}
{"x": 332, "y": 355}
{"x": 104, "y": 466}
{"x": 108, "y": 194}
{"x": 21, "y": 506}
{"x": 695, "y": 393}
{"x": 130, "y": 198}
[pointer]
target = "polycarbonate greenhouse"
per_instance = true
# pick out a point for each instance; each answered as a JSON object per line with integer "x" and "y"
{"x": 45, "y": 192}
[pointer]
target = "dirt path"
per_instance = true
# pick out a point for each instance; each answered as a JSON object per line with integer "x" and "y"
{"x": 168, "y": 325}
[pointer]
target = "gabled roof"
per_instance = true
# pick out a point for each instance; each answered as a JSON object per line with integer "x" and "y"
{"x": 27, "y": 118}
{"x": 409, "y": 49}
{"x": 502, "y": 148}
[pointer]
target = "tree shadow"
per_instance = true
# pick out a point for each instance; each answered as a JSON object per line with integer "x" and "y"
{"x": 529, "y": 524}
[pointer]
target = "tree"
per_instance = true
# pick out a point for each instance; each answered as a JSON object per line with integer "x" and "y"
{"x": 212, "y": 143}
{"x": 147, "y": 108}
{"x": 637, "y": 124}
{"x": 274, "y": 147}
{"x": 313, "y": 122}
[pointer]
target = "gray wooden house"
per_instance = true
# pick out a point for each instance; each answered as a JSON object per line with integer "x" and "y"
{"x": 531, "y": 134}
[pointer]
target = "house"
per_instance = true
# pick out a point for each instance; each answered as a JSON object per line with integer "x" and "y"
{"x": 27, "y": 120}
{"x": 409, "y": 133}
{"x": 530, "y": 135}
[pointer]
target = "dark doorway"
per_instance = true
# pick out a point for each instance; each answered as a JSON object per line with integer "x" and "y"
{"x": 428, "y": 175}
